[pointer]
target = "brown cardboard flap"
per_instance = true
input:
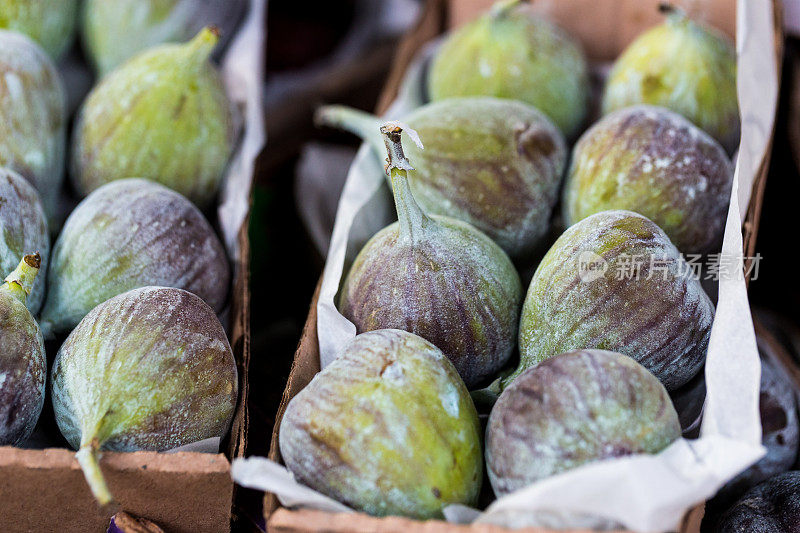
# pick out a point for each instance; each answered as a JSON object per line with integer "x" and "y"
{"x": 44, "y": 490}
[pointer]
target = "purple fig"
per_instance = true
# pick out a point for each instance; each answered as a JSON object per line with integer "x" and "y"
{"x": 437, "y": 277}
{"x": 150, "y": 369}
{"x": 574, "y": 409}
{"x": 771, "y": 507}
{"x": 387, "y": 428}
{"x": 22, "y": 359}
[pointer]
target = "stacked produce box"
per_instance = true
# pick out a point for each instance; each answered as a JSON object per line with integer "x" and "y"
{"x": 116, "y": 337}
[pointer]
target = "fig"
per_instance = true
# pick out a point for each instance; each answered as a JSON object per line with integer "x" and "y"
{"x": 652, "y": 161}
{"x": 496, "y": 164}
{"x": 771, "y": 507}
{"x": 779, "y": 425}
{"x": 614, "y": 281}
{"x": 115, "y": 31}
{"x": 150, "y": 369}
{"x": 32, "y": 117}
{"x": 512, "y": 53}
{"x": 689, "y": 401}
{"x": 388, "y": 428}
{"x": 437, "y": 277}
{"x": 573, "y": 409}
{"x": 23, "y": 227}
{"x": 51, "y": 23}
{"x": 164, "y": 115}
{"x": 684, "y": 67}
{"x": 127, "y": 234}
{"x": 22, "y": 358}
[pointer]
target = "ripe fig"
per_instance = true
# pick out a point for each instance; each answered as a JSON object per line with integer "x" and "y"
{"x": 615, "y": 282}
{"x": 511, "y": 53}
{"x": 115, "y": 31}
{"x": 652, "y": 161}
{"x": 163, "y": 115}
{"x": 496, "y": 164}
{"x": 23, "y": 227}
{"x": 437, "y": 277}
{"x": 32, "y": 117}
{"x": 51, "y": 23}
{"x": 771, "y": 507}
{"x": 689, "y": 401}
{"x": 150, "y": 369}
{"x": 388, "y": 428}
{"x": 683, "y": 67}
{"x": 22, "y": 359}
{"x": 127, "y": 234}
{"x": 573, "y": 409}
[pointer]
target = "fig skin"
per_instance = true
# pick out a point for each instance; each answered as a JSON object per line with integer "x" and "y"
{"x": 127, "y": 234}
{"x": 683, "y": 67}
{"x": 164, "y": 115}
{"x": 116, "y": 31}
{"x": 32, "y": 118}
{"x": 663, "y": 322}
{"x": 436, "y": 277}
{"x": 51, "y": 23}
{"x": 573, "y": 409}
{"x": 496, "y": 164}
{"x": 23, "y": 227}
{"x": 23, "y": 366}
{"x": 388, "y": 428}
{"x": 150, "y": 369}
{"x": 511, "y": 53}
{"x": 652, "y": 161}
{"x": 771, "y": 507}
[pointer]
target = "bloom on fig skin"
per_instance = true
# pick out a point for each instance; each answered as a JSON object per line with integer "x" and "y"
{"x": 116, "y": 31}
{"x": 652, "y": 161}
{"x": 574, "y": 409}
{"x": 164, "y": 115}
{"x": 51, "y": 23}
{"x": 658, "y": 313}
{"x": 23, "y": 365}
{"x": 150, "y": 369}
{"x": 683, "y": 67}
{"x": 387, "y": 428}
{"x": 33, "y": 120}
{"x": 127, "y": 234}
{"x": 23, "y": 227}
{"x": 511, "y": 53}
{"x": 493, "y": 163}
{"x": 436, "y": 277}
{"x": 773, "y": 506}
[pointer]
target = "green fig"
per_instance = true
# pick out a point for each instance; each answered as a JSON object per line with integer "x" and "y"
{"x": 116, "y": 31}
{"x": 574, "y": 409}
{"x": 388, "y": 428}
{"x": 496, "y": 164}
{"x": 437, "y": 277}
{"x": 23, "y": 227}
{"x": 614, "y": 281}
{"x": 32, "y": 117}
{"x": 652, "y": 161}
{"x": 51, "y": 23}
{"x": 511, "y": 53}
{"x": 127, "y": 234}
{"x": 683, "y": 67}
{"x": 22, "y": 359}
{"x": 150, "y": 369}
{"x": 164, "y": 115}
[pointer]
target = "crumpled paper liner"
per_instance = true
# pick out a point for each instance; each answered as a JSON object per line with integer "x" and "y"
{"x": 650, "y": 492}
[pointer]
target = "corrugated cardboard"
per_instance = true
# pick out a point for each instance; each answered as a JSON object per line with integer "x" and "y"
{"x": 612, "y": 25}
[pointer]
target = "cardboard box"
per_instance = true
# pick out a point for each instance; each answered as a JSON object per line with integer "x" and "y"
{"x": 613, "y": 24}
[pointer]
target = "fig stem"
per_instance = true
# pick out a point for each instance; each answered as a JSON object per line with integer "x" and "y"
{"x": 672, "y": 12}
{"x": 504, "y": 7}
{"x": 20, "y": 282}
{"x": 88, "y": 458}
{"x": 357, "y": 122}
{"x": 413, "y": 221}
{"x": 203, "y": 44}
